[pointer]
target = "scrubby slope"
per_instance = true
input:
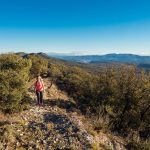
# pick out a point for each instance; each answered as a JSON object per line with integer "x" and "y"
{"x": 57, "y": 125}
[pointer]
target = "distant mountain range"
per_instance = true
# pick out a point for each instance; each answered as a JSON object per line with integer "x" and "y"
{"x": 94, "y": 61}
{"x": 121, "y": 58}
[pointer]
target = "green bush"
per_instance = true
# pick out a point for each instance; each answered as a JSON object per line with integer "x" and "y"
{"x": 39, "y": 65}
{"x": 14, "y": 76}
{"x": 54, "y": 72}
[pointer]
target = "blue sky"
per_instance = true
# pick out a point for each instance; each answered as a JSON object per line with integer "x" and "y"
{"x": 75, "y": 26}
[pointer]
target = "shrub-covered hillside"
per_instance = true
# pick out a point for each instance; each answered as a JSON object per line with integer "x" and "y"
{"x": 114, "y": 99}
{"x": 14, "y": 76}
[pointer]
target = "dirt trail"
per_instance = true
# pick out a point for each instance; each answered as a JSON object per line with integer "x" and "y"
{"x": 57, "y": 125}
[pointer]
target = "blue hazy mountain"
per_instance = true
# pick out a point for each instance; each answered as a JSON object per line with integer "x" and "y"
{"x": 123, "y": 58}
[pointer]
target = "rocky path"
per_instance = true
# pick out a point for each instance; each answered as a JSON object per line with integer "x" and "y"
{"x": 54, "y": 126}
{"x": 57, "y": 125}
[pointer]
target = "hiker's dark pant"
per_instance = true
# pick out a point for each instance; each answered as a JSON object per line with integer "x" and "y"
{"x": 39, "y": 95}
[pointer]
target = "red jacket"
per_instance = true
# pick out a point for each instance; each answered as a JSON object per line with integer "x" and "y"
{"x": 39, "y": 86}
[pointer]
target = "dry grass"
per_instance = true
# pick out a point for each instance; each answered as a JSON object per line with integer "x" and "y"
{"x": 3, "y": 117}
{"x": 50, "y": 126}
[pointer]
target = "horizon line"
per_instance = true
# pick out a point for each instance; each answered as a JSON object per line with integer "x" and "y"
{"x": 75, "y": 53}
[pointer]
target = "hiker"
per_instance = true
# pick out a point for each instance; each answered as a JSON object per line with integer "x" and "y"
{"x": 39, "y": 89}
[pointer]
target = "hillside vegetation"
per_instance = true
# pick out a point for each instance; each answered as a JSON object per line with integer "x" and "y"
{"x": 115, "y": 100}
{"x": 14, "y": 76}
